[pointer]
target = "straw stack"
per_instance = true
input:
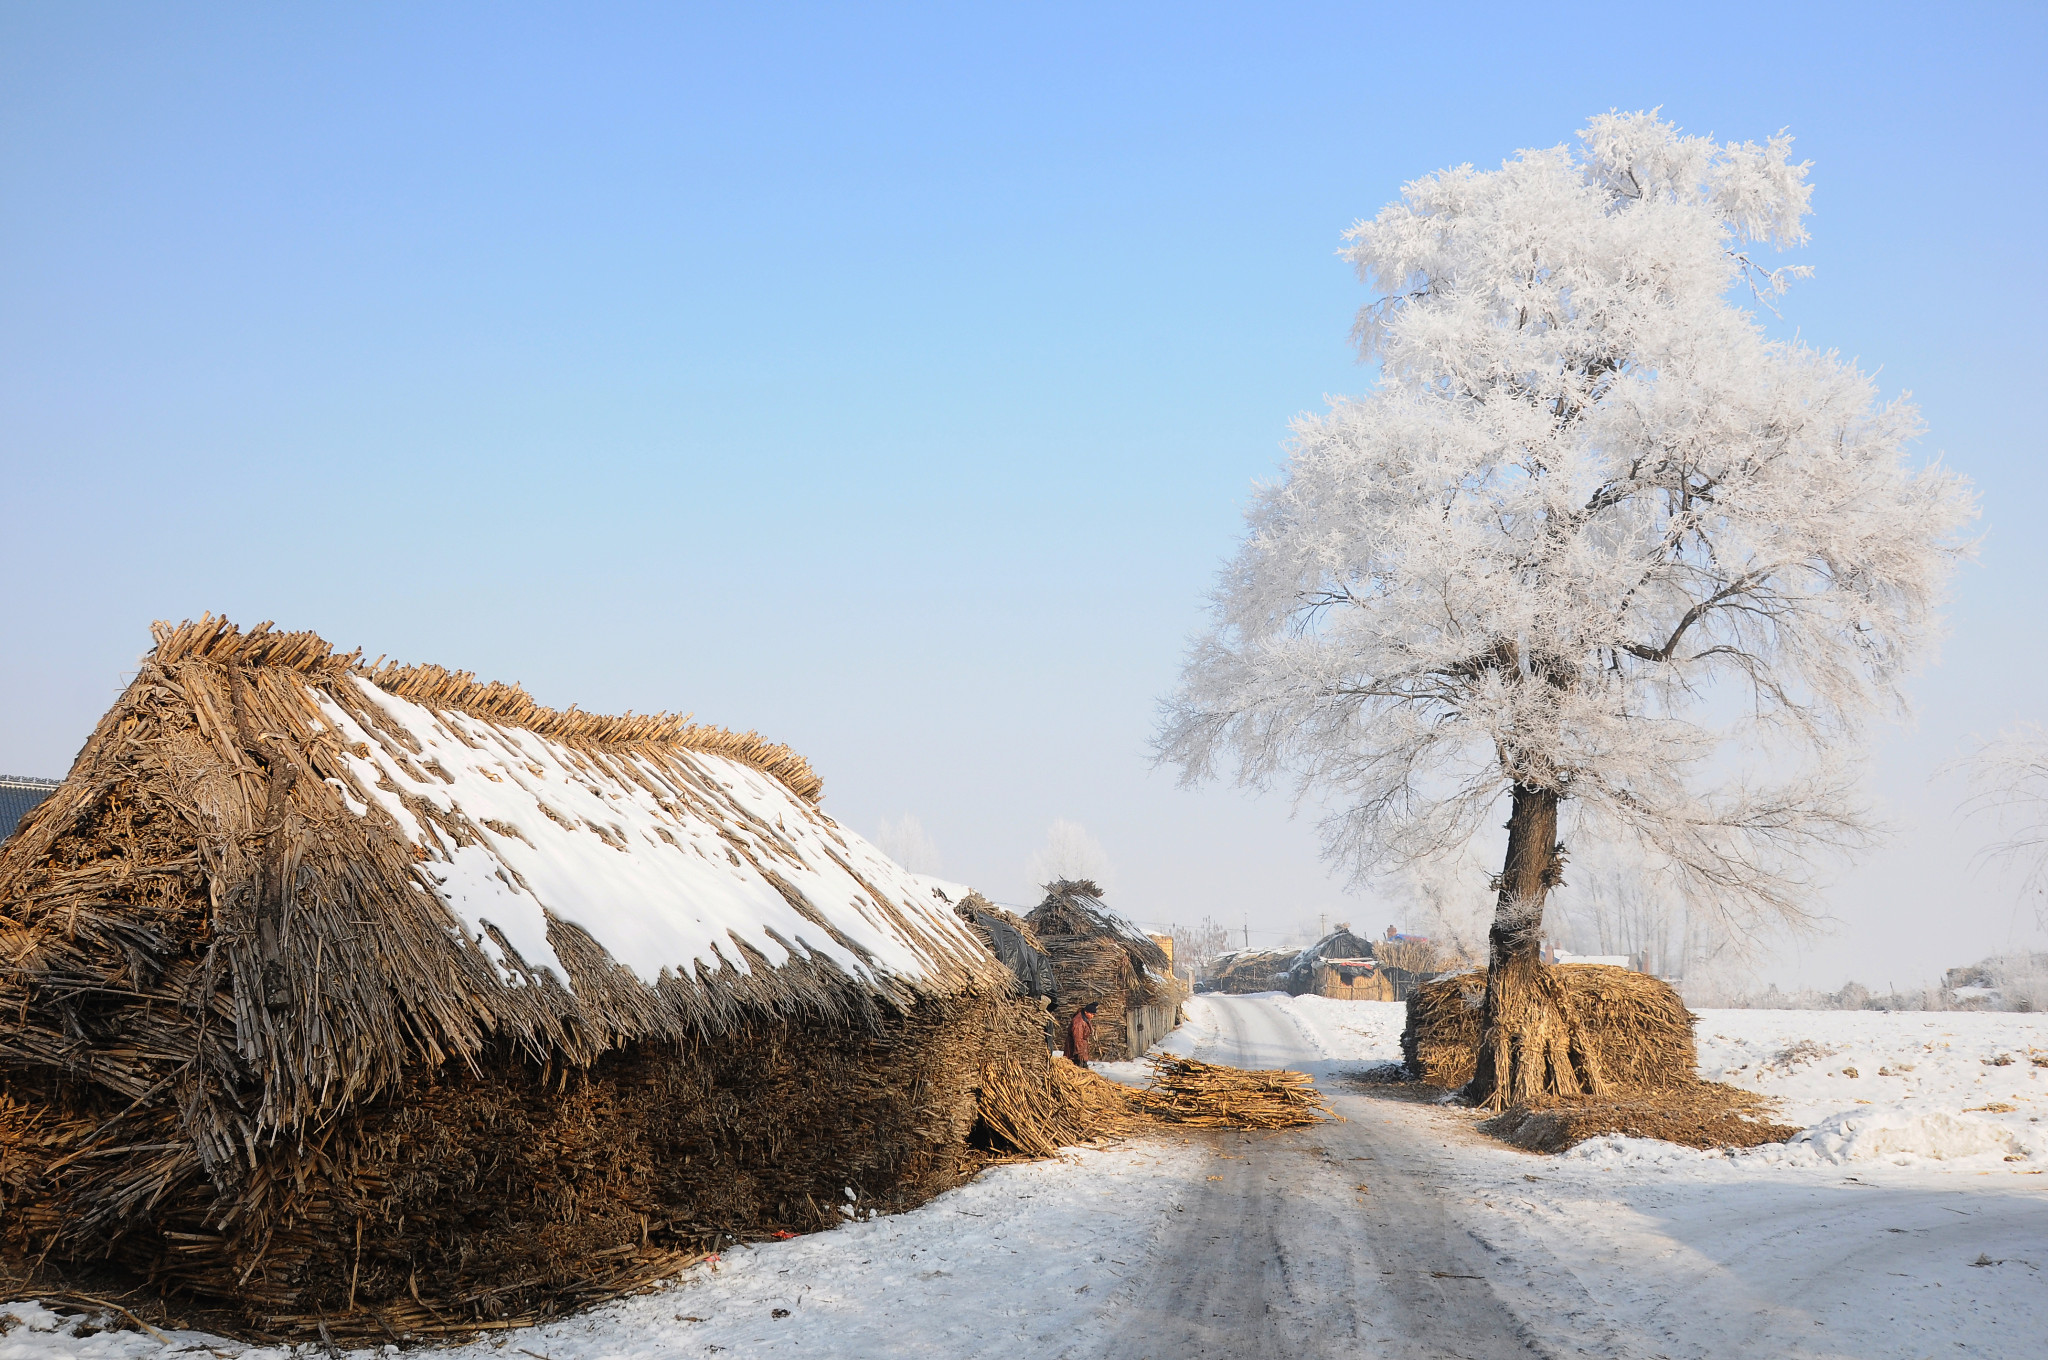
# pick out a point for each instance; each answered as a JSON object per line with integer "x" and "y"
{"x": 1637, "y": 1025}
{"x": 1184, "y": 1091}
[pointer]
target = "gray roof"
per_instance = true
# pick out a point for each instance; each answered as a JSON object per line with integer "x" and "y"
{"x": 19, "y": 793}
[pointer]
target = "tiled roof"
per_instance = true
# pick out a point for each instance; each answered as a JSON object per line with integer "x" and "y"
{"x": 18, "y": 794}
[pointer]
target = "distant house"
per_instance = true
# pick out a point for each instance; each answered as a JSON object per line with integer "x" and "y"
{"x": 1627, "y": 961}
{"x": 18, "y": 795}
{"x": 1342, "y": 966}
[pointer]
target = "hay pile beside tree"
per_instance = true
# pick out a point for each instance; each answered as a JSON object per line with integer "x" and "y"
{"x": 1596, "y": 548}
{"x": 383, "y": 1001}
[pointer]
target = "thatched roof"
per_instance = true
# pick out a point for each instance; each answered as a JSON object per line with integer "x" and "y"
{"x": 1338, "y": 944}
{"x": 1073, "y": 909}
{"x": 327, "y": 870}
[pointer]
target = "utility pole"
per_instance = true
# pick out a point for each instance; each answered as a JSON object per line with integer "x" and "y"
{"x": 1322, "y": 924}
{"x": 1247, "y": 932}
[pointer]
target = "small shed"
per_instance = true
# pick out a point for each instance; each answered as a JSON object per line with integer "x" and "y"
{"x": 1102, "y": 957}
{"x": 1342, "y": 966}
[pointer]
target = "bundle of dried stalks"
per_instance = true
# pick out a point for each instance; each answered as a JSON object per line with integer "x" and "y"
{"x": 1635, "y": 1026}
{"x": 1184, "y": 1091}
{"x": 1698, "y": 1114}
{"x": 1100, "y": 958}
{"x": 1638, "y": 1035}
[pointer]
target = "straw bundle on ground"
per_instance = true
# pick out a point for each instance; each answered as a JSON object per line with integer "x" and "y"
{"x": 1102, "y": 958}
{"x": 1637, "y": 1027}
{"x": 1181, "y": 1092}
{"x": 1184, "y": 1091}
{"x": 382, "y": 1000}
{"x": 1697, "y": 1114}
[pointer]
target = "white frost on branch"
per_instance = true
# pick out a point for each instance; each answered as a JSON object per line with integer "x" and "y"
{"x": 1593, "y": 531}
{"x": 2009, "y": 780}
{"x": 1070, "y": 851}
{"x": 905, "y": 840}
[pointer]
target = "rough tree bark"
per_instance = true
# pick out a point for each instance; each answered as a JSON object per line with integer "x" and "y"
{"x": 1530, "y": 1043}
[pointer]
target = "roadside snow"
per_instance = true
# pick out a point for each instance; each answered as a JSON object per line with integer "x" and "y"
{"x": 1937, "y": 1090}
{"x": 1902, "y": 1088}
{"x": 1024, "y": 1261}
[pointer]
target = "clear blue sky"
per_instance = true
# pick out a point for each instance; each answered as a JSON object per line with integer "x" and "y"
{"x": 891, "y": 379}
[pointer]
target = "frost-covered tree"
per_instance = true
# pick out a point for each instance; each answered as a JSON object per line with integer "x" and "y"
{"x": 1595, "y": 543}
{"x": 2009, "y": 779}
{"x": 907, "y": 842}
{"x": 1069, "y": 852}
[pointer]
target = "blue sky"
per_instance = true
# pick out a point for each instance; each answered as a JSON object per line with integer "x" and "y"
{"x": 891, "y": 380}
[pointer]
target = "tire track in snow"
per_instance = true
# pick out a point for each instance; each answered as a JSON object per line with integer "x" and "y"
{"x": 1281, "y": 1255}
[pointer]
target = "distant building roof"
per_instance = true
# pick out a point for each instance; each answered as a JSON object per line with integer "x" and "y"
{"x": 19, "y": 793}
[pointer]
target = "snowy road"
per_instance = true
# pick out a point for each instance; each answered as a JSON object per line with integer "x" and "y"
{"x": 1311, "y": 1243}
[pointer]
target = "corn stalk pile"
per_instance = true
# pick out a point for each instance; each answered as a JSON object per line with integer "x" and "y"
{"x": 1184, "y": 1091}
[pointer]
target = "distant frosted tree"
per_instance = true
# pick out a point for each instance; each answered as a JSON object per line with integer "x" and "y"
{"x": 1618, "y": 902}
{"x": 905, "y": 840}
{"x": 2009, "y": 780}
{"x": 1196, "y": 947}
{"x": 1594, "y": 542}
{"x": 1069, "y": 852}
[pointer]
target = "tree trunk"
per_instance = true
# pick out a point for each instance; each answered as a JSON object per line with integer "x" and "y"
{"x": 1530, "y": 1044}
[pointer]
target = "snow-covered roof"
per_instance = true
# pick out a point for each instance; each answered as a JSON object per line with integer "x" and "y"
{"x": 671, "y": 859}
{"x": 1074, "y": 907}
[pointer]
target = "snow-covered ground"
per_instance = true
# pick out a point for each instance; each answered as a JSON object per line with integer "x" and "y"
{"x": 1893, "y": 1228}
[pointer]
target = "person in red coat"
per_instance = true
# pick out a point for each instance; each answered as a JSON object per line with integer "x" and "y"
{"x": 1079, "y": 1030}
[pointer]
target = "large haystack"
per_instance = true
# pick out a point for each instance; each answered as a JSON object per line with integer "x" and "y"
{"x": 382, "y": 1001}
{"x": 1098, "y": 956}
{"x": 1628, "y": 1031}
{"x": 1635, "y": 1026}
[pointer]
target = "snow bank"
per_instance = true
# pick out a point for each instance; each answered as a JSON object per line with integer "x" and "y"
{"x": 1938, "y": 1091}
{"x": 1900, "y": 1135}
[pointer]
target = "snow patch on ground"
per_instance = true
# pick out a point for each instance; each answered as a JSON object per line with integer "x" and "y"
{"x": 1936, "y": 1090}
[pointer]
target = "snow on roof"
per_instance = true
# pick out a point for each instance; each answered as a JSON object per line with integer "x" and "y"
{"x": 668, "y": 860}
